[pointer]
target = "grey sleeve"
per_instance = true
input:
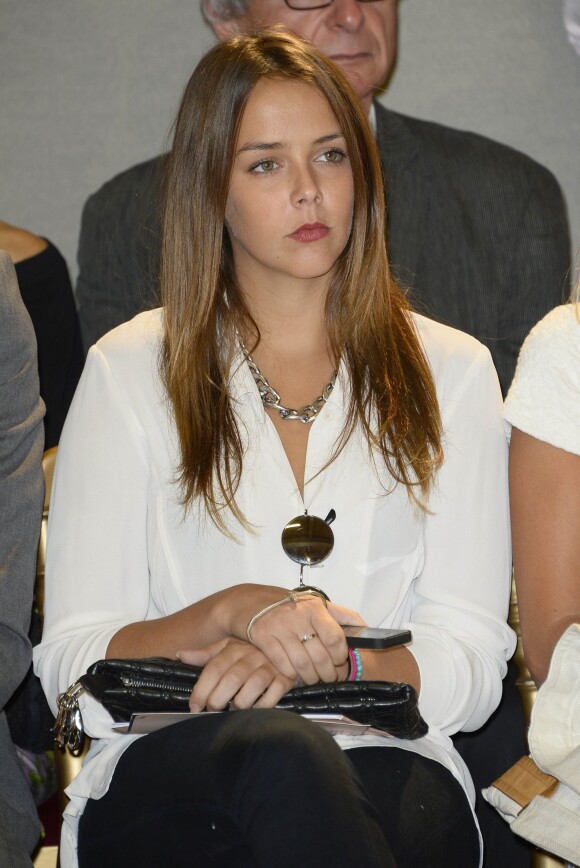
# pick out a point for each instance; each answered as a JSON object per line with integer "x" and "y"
{"x": 21, "y": 480}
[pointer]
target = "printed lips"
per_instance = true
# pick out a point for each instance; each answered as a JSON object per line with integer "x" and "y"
{"x": 310, "y": 232}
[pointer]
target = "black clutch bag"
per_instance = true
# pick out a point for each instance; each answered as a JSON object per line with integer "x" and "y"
{"x": 126, "y": 687}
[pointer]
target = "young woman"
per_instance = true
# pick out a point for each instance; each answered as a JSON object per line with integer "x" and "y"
{"x": 543, "y": 409}
{"x": 180, "y": 466}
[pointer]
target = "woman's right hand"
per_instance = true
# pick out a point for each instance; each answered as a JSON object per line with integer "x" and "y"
{"x": 237, "y": 673}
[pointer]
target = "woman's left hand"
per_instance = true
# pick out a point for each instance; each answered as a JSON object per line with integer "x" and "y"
{"x": 306, "y": 638}
{"x": 235, "y": 672}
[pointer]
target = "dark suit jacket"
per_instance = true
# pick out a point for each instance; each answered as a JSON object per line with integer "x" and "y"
{"x": 477, "y": 232}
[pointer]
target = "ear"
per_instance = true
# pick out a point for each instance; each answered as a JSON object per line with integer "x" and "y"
{"x": 226, "y": 28}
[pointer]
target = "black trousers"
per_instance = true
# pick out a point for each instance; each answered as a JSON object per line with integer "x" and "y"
{"x": 269, "y": 789}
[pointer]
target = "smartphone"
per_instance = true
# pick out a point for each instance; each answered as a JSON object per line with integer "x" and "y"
{"x": 374, "y": 637}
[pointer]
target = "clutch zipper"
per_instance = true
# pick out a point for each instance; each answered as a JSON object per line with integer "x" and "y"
{"x": 136, "y": 681}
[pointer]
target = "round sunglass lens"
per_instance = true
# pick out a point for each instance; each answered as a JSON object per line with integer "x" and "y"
{"x": 307, "y": 539}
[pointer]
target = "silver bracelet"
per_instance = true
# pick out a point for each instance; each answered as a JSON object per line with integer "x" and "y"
{"x": 291, "y": 597}
{"x": 252, "y": 621}
{"x": 300, "y": 593}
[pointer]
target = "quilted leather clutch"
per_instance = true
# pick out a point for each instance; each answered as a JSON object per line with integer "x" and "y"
{"x": 127, "y": 687}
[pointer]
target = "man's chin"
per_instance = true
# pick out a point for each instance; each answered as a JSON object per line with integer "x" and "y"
{"x": 357, "y": 75}
{"x": 361, "y": 87}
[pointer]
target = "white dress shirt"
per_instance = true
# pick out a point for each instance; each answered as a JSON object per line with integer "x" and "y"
{"x": 120, "y": 549}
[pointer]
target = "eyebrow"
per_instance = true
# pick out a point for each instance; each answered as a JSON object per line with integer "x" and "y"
{"x": 272, "y": 146}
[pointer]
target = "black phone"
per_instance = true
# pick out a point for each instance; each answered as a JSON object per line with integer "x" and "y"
{"x": 374, "y": 637}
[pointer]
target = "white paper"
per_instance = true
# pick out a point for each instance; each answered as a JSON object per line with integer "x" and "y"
{"x": 335, "y": 724}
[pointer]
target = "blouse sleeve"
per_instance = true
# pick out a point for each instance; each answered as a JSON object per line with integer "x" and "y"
{"x": 97, "y": 575}
{"x": 461, "y": 640}
{"x": 543, "y": 400}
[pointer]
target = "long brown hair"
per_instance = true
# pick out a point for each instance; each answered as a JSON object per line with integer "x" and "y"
{"x": 392, "y": 394}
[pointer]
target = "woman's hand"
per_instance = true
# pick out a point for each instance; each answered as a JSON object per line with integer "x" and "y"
{"x": 305, "y": 638}
{"x": 235, "y": 672}
{"x": 280, "y": 633}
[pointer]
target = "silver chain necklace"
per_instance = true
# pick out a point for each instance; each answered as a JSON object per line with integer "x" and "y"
{"x": 271, "y": 398}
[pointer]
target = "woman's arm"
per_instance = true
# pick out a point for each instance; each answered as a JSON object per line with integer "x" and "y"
{"x": 226, "y": 614}
{"x": 393, "y": 664}
{"x": 545, "y": 517}
{"x": 457, "y": 608}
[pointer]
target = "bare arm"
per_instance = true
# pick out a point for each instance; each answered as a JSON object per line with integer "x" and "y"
{"x": 226, "y": 614}
{"x": 393, "y": 664}
{"x": 545, "y": 517}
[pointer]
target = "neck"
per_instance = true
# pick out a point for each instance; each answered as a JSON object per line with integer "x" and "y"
{"x": 295, "y": 339}
{"x": 367, "y": 102}
{"x": 291, "y": 321}
{"x": 280, "y": 296}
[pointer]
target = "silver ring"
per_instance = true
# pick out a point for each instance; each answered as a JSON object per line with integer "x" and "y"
{"x": 309, "y": 637}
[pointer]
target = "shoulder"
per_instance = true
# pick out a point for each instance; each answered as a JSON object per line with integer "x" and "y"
{"x": 132, "y": 344}
{"x": 544, "y": 398}
{"x": 448, "y": 350}
{"x": 132, "y": 185}
{"x": 557, "y": 335}
{"x": 122, "y": 371}
{"x": 466, "y": 385}
{"x": 465, "y": 378}
{"x": 461, "y": 152}
{"x": 551, "y": 349}
{"x": 19, "y": 243}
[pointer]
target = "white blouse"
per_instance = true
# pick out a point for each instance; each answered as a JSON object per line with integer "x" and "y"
{"x": 120, "y": 549}
{"x": 544, "y": 398}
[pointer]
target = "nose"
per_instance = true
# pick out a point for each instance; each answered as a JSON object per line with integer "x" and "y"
{"x": 306, "y": 188}
{"x": 346, "y": 14}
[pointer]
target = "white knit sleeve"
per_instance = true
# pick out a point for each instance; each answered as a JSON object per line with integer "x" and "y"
{"x": 544, "y": 398}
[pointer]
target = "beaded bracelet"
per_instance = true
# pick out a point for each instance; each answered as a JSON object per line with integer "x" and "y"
{"x": 355, "y": 665}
